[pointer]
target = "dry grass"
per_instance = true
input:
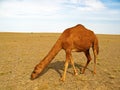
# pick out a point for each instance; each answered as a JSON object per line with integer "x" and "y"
{"x": 19, "y": 53}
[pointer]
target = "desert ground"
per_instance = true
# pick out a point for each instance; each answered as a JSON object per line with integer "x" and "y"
{"x": 20, "y": 52}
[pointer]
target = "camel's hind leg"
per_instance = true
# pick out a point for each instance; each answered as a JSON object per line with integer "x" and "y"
{"x": 95, "y": 56}
{"x": 87, "y": 54}
{"x": 95, "y": 48}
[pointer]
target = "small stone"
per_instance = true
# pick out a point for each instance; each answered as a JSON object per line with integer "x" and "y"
{"x": 112, "y": 77}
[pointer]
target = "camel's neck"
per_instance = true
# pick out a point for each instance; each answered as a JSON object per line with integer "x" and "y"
{"x": 44, "y": 63}
{"x": 52, "y": 53}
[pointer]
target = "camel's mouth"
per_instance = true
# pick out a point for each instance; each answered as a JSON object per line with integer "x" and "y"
{"x": 34, "y": 75}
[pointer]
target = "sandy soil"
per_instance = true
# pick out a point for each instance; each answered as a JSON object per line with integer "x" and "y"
{"x": 19, "y": 53}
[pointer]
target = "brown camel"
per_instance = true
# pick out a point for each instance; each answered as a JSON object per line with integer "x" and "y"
{"x": 77, "y": 38}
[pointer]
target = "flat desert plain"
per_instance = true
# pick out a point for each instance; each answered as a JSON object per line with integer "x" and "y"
{"x": 20, "y": 52}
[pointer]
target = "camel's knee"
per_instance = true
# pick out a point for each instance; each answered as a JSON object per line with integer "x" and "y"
{"x": 66, "y": 64}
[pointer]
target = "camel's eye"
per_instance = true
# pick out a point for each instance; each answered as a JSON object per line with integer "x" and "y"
{"x": 34, "y": 72}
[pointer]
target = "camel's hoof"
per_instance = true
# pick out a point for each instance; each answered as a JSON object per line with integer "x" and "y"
{"x": 94, "y": 73}
{"x": 75, "y": 73}
{"x": 82, "y": 71}
{"x": 62, "y": 79}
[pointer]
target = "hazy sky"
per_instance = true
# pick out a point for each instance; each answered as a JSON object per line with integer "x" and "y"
{"x": 101, "y": 16}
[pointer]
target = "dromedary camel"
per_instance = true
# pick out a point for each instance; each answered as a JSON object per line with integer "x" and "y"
{"x": 77, "y": 38}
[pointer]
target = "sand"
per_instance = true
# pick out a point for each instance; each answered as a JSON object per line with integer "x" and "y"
{"x": 20, "y": 52}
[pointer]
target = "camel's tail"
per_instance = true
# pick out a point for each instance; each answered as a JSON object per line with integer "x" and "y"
{"x": 95, "y": 51}
{"x": 44, "y": 63}
{"x": 96, "y": 45}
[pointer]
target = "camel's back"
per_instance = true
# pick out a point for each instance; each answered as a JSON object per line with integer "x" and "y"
{"x": 77, "y": 31}
{"x": 78, "y": 38}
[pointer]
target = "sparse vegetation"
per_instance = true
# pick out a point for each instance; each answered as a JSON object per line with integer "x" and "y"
{"x": 20, "y": 52}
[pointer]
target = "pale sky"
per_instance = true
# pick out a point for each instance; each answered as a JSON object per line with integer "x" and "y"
{"x": 101, "y": 16}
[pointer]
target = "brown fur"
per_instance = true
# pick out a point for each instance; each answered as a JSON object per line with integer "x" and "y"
{"x": 78, "y": 39}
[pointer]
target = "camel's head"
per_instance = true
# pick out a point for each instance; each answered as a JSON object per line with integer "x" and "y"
{"x": 34, "y": 75}
{"x": 36, "y": 72}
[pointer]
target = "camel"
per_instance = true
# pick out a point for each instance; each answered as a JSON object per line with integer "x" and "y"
{"x": 74, "y": 39}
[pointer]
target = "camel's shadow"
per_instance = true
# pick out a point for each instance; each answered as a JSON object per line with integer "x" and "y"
{"x": 58, "y": 66}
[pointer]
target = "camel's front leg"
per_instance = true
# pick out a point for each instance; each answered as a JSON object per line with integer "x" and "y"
{"x": 72, "y": 62}
{"x": 66, "y": 64}
{"x": 65, "y": 70}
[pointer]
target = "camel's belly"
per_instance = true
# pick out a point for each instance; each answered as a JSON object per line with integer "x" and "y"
{"x": 80, "y": 48}
{"x": 75, "y": 50}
